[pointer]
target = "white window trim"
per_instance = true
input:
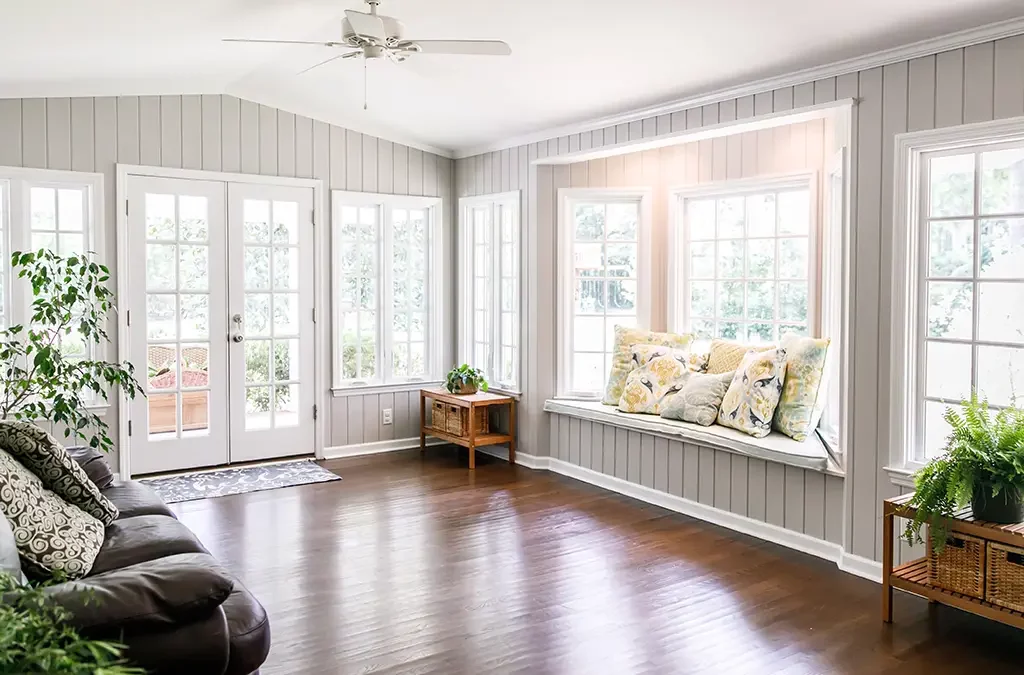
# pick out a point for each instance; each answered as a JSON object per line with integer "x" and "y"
{"x": 678, "y": 319}
{"x": 465, "y": 238}
{"x": 567, "y": 197}
{"x": 436, "y": 333}
{"x": 905, "y": 377}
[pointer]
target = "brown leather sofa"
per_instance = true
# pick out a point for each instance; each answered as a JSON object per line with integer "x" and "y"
{"x": 156, "y": 589}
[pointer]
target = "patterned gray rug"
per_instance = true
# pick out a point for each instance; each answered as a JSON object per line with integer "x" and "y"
{"x": 225, "y": 482}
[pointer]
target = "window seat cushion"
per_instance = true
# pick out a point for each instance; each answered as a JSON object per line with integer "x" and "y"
{"x": 775, "y": 447}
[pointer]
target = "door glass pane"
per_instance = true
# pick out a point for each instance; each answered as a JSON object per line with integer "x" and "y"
{"x": 195, "y": 413}
{"x": 163, "y": 416}
{"x": 286, "y": 360}
{"x": 160, "y": 221}
{"x": 193, "y": 218}
{"x": 193, "y": 268}
{"x": 160, "y": 272}
{"x": 286, "y": 269}
{"x": 286, "y": 405}
{"x": 257, "y": 314}
{"x": 257, "y": 407}
{"x": 257, "y": 361}
{"x": 286, "y": 223}
{"x": 161, "y": 316}
{"x": 257, "y": 268}
{"x": 195, "y": 316}
{"x": 286, "y": 314}
{"x": 256, "y": 218}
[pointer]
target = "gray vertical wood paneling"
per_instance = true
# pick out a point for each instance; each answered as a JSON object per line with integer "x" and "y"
{"x": 647, "y": 460}
{"x": 33, "y": 132}
{"x": 170, "y": 131}
{"x": 58, "y": 133}
{"x": 83, "y": 134}
{"x": 1009, "y": 77}
{"x": 249, "y": 136}
{"x": 921, "y": 94}
{"x": 10, "y": 132}
{"x": 267, "y": 131}
{"x": 586, "y": 443}
{"x": 738, "y": 490}
{"x": 775, "y": 494}
{"x": 211, "y": 110}
{"x": 979, "y": 82}
{"x": 574, "y": 441}
{"x": 231, "y": 134}
{"x": 757, "y": 489}
{"x": 371, "y": 418}
{"x": 192, "y": 132}
{"x": 949, "y": 88}
{"x": 303, "y": 147}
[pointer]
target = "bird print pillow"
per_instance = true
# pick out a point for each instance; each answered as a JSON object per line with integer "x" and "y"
{"x": 803, "y": 394}
{"x": 754, "y": 393}
{"x": 658, "y": 373}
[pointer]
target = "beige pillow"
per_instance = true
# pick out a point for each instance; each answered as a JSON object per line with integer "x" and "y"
{"x": 659, "y": 373}
{"x": 726, "y": 355}
{"x": 803, "y": 393}
{"x": 622, "y": 364}
{"x": 754, "y": 393}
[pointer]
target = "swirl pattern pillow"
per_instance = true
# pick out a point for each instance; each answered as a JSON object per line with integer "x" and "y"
{"x": 622, "y": 362}
{"x": 659, "y": 373}
{"x": 803, "y": 394}
{"x": 754, "y": 393}
{"x": 44, "y": 456}
{"x": 699, "y": 400}
{"x": 51, "y": 535}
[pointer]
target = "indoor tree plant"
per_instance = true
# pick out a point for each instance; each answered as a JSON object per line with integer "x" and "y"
{"x": 465, "y": 379}
{"x": 982, "y": 465}
{"x": 47, "y": 372}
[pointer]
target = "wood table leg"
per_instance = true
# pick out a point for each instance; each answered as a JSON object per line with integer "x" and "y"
{"x": 887, "y": 545}
{"x": 512, "y": 432}
{"x": 423, "y": 423}
{"x": 472, "y": 436}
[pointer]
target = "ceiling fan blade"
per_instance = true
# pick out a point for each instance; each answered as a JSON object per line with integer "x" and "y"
{"x": 325, "y": 62}
{"x": 366, "y": 25}
{"x": 284, "y": 42}
{"x": 469, "y": 47}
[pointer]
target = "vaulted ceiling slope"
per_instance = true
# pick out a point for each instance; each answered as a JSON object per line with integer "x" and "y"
{"x": 572, "y": 59}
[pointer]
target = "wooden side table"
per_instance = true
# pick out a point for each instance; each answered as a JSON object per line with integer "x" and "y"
{"x": 471, "y": 441}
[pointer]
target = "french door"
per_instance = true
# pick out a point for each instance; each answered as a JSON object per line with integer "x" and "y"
{"x": 220, "y": 323}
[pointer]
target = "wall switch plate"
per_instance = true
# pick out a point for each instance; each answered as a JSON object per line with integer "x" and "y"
{"x": 385, "y": 416}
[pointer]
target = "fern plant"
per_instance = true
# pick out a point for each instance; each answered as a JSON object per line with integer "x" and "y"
{"x": 984, "y": 455}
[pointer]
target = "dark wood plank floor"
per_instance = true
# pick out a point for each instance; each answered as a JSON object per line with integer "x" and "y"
{"x": 414, "y": 565}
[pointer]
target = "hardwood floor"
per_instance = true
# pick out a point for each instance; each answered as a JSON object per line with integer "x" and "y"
{"x": 413, "y": 565}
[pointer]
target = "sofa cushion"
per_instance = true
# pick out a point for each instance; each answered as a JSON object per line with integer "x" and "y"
{"x": 95, "y": 465}
{"x": 44, "y": 456}
{"x": 133, "y": 498}
{"x": 248, "y": 631}
{"x": 135, "y": 540}
{"x": 52, "y": 536}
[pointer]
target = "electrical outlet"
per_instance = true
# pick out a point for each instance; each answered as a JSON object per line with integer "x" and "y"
{"x": 385, "y": 416}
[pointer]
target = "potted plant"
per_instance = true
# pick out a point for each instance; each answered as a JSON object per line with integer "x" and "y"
{"x": 47, "y": 370}
{"x": 35, "y": 637}
{"x": 465, "y": 380}
{"x": 982, "y": 465}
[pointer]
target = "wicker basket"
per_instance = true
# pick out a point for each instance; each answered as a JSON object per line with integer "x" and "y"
{"x": 438, "y": 416}
{"x": 1004, "y": 577}
{"x": 457, "y": 420}
{"x": 960, "y": 567}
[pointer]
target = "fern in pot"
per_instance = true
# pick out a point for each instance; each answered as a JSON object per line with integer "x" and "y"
{"x": 982, "y": 465}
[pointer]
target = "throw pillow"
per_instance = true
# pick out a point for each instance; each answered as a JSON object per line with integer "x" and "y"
{"x": 726, "y": 355}
{"x": 52, "y": 536}
{"x": 660, "y": 372}
{"x": 699, "y": 400}
{"x": 699, "y": 361}
{"x": 44, "y": 456}
{"x": 9, "y": 563}
{"x": 803, "y": 393}
{"x": 622, "y": 356}
{"x": 754, "y": 393}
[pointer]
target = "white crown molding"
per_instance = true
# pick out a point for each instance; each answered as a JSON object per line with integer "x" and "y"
{"x": 958, "y": 40}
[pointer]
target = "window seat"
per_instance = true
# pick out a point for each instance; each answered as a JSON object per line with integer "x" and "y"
{"x": 775, "y": 447}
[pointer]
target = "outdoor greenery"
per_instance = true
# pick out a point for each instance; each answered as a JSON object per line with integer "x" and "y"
{"x": 981, "y": 449}
{"x": 47, "y": 374}
{"x": 35, "y": 638}
{"x": 463, "y": 376}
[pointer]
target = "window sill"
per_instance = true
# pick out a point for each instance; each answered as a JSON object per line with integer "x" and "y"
{"x": 364, "y": 389}
{"x": 776, "y": 447}
{"x": 902, "y": 476}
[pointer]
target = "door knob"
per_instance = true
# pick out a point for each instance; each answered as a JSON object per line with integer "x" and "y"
{"x": 237, "y": 318}
{"x": 238, "y": 338}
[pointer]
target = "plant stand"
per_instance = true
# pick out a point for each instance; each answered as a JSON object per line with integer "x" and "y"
{"x": 912, "y": 577}
{"x": 470, "y": 438}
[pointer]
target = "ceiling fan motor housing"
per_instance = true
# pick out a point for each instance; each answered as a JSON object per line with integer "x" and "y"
{"x": 393, "y": 30}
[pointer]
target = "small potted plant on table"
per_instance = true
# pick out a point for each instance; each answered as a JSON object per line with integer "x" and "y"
{"x": 983, "y": 465}
{"x": 465, "y": 380}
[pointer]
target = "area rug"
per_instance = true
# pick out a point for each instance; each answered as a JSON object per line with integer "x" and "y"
{"x": 223, "y": 482}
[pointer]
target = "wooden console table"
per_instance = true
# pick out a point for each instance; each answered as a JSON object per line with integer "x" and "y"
{"x": 912, "y": 576}
{"x": 471, "y": 402}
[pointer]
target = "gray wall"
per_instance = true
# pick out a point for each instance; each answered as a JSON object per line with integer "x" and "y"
{"x": 224, "y": 133}
{"x": 979, "y": 83}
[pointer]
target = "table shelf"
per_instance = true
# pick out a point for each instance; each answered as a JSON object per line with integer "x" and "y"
{"x": 472, "y": 440}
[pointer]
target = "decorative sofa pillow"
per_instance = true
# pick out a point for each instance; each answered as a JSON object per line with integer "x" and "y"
{"x": 725, "y": 355}
{"x": 52, "y": 536}
{"x": 699, "y": 361}
{"x": 9, "y": 563}
{"x": 699, "y": 400}
{"x": 659, "y": 372}
{"x": 754, "y": 393}
{"x": 44, "y": 456}
{"x": 803, "y": 393}
{"x": 622, "y": 364}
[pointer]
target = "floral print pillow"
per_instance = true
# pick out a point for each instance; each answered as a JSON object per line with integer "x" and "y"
{"x": 803, "y": 394}
{"x": 622, "y": 362}
{"x": 754, "y": 393}
{"x": 659, "y": 372}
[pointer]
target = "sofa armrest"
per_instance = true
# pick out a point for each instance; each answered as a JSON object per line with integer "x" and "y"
{"x": 95, "y": 465}
{"x": 157, "y": 593}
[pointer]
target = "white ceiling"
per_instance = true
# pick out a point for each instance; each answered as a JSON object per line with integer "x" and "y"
{"x": 572, "y": 59}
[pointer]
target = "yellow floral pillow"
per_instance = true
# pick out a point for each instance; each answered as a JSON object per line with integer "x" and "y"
{"x": 622, "y": 357}
{"x": 754, "y": 393}
{"x": 726, "y": 355}
{"x": 803, "y": 394}
{"x": 659, "y": 373}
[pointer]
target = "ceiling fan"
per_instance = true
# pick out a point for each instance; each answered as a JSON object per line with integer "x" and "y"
{"x": 375, "y": 36}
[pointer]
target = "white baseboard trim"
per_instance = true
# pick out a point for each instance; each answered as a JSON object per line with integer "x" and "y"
{"x": 862, "y": 567}
{"x": 377, "y": 447}
{"x": 522, "y": 458}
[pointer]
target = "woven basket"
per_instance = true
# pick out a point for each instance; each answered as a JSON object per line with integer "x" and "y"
{"x": 960, "y": 567}
{"x": 1004, "y": 578}
{"x": 438, "y": 415}
{"x": 458, "y": 421}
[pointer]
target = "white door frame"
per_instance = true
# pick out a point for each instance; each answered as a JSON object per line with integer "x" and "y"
{"x": 321, "y": 260}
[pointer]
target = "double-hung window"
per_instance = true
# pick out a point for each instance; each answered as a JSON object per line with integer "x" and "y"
{"x": 604, "y": 280}
{"x": 959, "y": 299}
{"x": 387, "y": 270}
{"x": 489, "y": 287}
